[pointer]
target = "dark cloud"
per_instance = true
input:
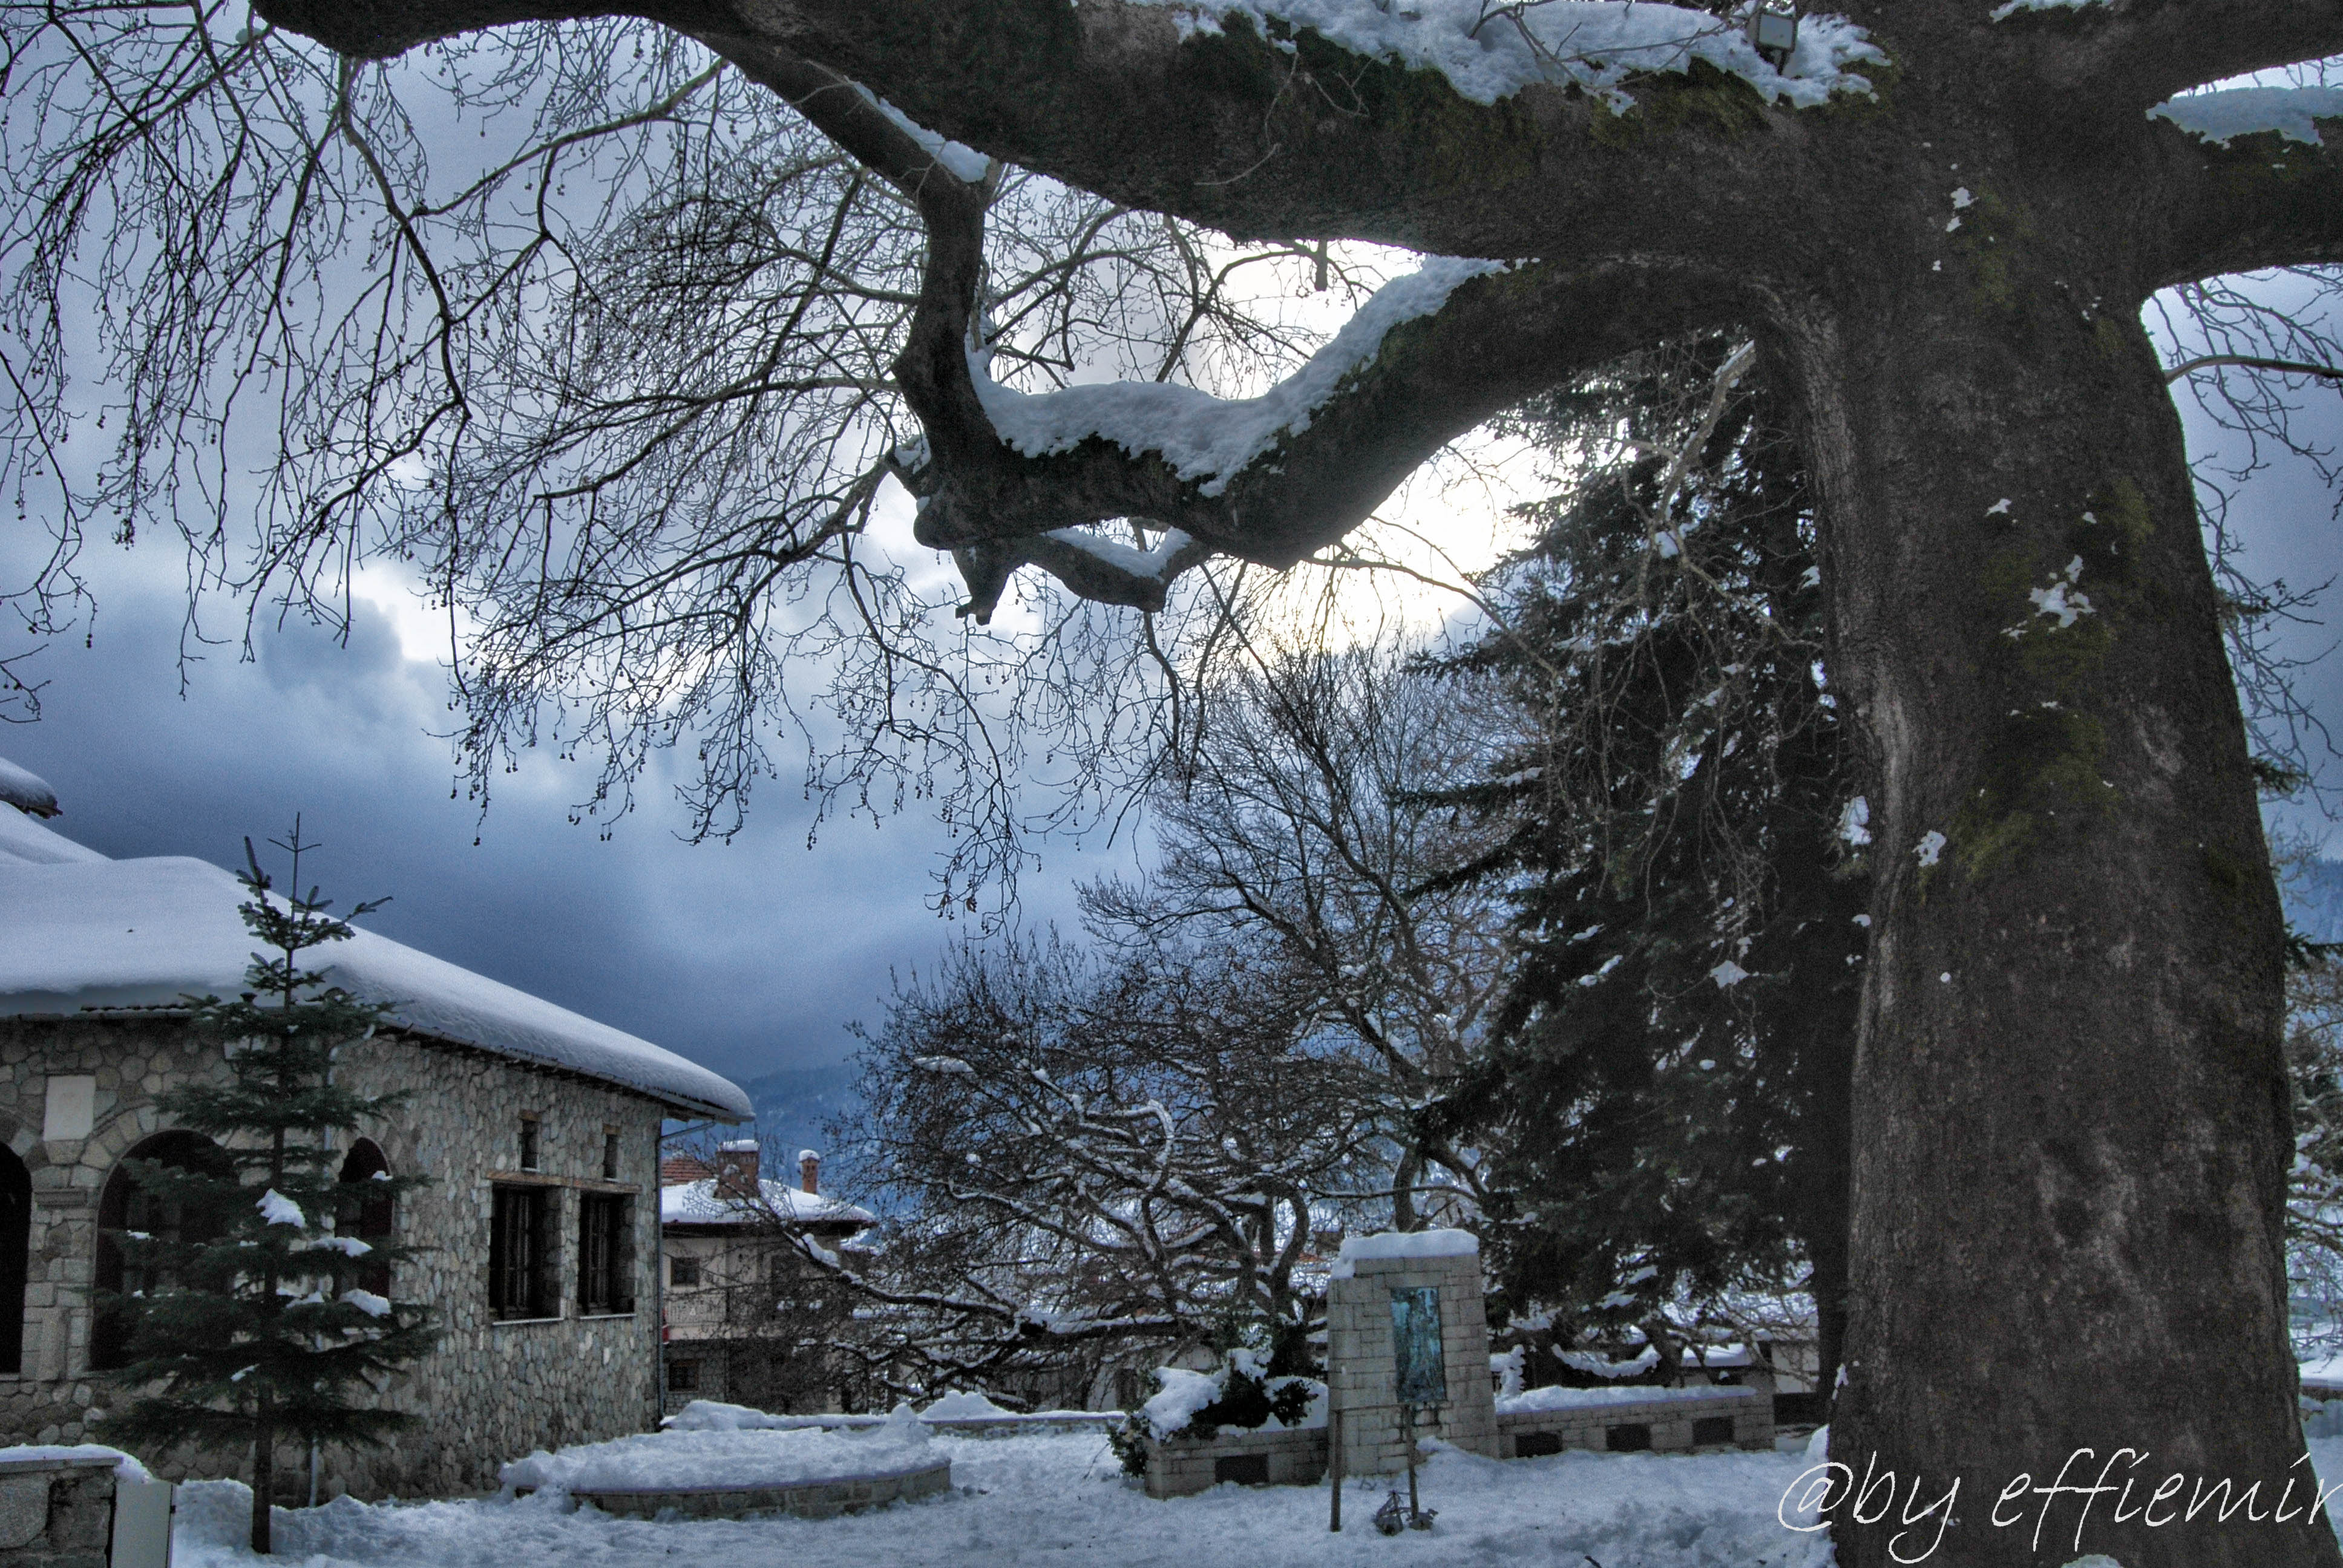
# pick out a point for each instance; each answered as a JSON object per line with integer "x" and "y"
{"x": 748, "y": 957}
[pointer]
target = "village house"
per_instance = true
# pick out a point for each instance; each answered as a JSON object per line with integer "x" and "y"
{"x": 537, "y": 1131}
{"x": 748, "y": 1319}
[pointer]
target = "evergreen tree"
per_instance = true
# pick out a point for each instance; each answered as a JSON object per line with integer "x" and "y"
{"x": 1665, "y": 1089}
{"x": 248, "y": 1323}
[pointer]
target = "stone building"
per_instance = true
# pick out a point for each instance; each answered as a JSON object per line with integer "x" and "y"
{"x": 538, "y": 1132}
{"x": 748, "y": 1321}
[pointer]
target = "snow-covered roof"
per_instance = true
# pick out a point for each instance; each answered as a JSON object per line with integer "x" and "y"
{"x": 26, "y": 791}
{"x": 696, "y": 1204}
{"x": 90, "y": 932}
{"x": 22, "y": 839}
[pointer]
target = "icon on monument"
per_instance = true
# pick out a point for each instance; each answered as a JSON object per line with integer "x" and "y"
{"x": 1421, "y": 1378}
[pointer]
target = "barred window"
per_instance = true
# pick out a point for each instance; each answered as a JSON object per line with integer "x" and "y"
{"x": 683, "y": 1376}
{"x": 606, "y": 1255}
{"x": 683, "y": 1274}
{"x": 521, "y": 1250}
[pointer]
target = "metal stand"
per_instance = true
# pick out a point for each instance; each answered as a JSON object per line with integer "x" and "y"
{"x": 1335, "y": 1470}
{"x": 1418, "y": 1517}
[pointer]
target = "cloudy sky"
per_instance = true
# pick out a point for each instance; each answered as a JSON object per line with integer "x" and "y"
{"x": 749, "y": 957}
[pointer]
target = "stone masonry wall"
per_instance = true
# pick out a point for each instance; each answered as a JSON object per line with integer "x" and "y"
{"x": 1361, "y": 1363}
{"x": 492, "y": 1391}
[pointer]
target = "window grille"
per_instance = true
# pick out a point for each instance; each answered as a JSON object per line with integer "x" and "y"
{"x": 605, "y": 1256}
{"x": 520, "y": 1249}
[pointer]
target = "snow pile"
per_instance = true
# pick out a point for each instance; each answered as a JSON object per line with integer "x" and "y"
{"x": 149, "y": 932}
{"x": 26, "y": 791}
{"x": 125, "y": 1468}
{"x": 1538, "y": 1398}
{"x": 2291, "y": 112}
{"x": 682, "y": 1460}
{"x": 1487, "y": 54}
{"x": 1403, "y": 1244}
{"x": 967, "y": 1405}
{"x": 1507, "y": 1369}
{"x": 714, "y": 1415}
{"x": 1202, "y": 436}
{"x": 1596, "y": 1364}
{"x": 1184, "y": 1394}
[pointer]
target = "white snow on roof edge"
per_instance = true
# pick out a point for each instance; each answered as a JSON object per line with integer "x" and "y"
{"x": 28, "y": 840}
{"x": 698, "y": 1204}
{"x": 152, "y": 932}
{"x": 26, "y": 791}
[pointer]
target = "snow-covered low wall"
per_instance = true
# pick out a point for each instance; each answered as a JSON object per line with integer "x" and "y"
{"x": 1629, "y": 1419}
{"x": 1273, "y": 1456}
{"x": 58, "y": 1505}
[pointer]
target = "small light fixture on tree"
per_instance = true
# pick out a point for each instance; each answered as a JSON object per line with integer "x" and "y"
{"x": 1774, "y": 31}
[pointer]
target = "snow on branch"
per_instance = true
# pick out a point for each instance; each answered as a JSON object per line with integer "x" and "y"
{"x": 2219, "y": 117}
{"x": 2003, "y": 12}
{"x": 961, "y": 163}
{"x": 1491, "y": 51}
{"x": 1199, "y": 435}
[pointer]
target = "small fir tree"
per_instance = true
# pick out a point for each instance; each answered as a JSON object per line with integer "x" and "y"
{"x": 243, "y": 1313}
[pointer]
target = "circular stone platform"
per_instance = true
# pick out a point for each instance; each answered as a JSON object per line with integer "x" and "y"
{"x": 812, "y": 1499}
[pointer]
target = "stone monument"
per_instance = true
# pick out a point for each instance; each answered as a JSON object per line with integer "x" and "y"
{"x": 1408, "y": 1302}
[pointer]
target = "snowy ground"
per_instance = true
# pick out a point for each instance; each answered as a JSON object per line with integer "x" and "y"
{"x": 1059, "y": 1499}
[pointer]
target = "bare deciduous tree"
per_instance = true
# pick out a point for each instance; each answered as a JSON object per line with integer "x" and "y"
{"x": 1941, "y": 219}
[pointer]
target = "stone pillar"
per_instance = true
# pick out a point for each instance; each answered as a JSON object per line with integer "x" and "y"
{"x": 1360, "y": 1362}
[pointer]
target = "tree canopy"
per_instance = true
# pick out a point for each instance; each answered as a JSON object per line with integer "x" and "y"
{"x": 1940, "y": 220}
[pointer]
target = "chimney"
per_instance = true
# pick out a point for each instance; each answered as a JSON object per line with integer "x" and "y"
{"x": 809, "y": 1169}
{"x": 735, "y": 1170}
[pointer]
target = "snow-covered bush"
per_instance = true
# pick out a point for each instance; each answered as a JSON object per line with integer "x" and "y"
{"x": 1239, "y": 1393}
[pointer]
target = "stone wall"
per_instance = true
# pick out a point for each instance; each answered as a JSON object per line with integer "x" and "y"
{"x": 1361, "y": 1363}
{"x": 493, "y": 1390}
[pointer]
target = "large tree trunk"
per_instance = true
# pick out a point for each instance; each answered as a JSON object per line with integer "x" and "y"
{"x": 2071, "y": 1120}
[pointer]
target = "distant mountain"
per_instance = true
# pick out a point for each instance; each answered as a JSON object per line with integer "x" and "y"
{"x": 2314, "y": 901}
{"x": 791, "y": 1106}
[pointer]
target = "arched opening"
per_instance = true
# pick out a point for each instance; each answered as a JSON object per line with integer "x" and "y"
{"x": 123, "y": 1205}
{"x": 369, "y": 1214}
{"x": 16, "y": 1250}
